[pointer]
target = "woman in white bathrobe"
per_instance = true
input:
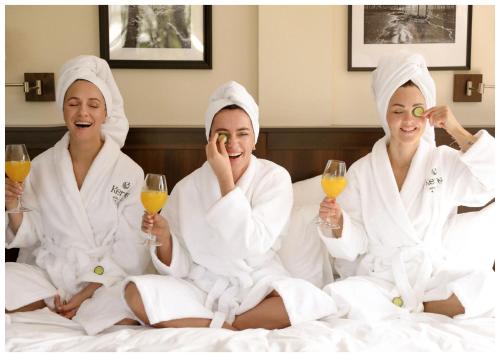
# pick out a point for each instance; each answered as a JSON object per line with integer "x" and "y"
{"x": 82, "y": 235}
{"x": 400, "y": 201}
{"x": 219, "y": 234}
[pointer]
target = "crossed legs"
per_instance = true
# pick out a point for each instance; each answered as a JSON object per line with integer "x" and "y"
{"x": 40, "y": 304}
{"x": 449, "y": 307}
{"x": 268, "y": 314}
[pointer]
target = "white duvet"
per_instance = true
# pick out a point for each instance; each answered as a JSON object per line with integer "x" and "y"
{"x": 43, "y": 330}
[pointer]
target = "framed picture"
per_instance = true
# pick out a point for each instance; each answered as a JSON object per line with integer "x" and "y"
{"x": 156, "y": 36}
{"x": 441, "y": 33}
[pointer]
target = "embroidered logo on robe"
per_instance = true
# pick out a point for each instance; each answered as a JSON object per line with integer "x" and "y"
{"x": 434, "y": 181}
{"x": 119, "y": 194}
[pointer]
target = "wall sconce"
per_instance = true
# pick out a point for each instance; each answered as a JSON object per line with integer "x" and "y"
{"x": 38, "y": 87}
{"x": 469, "y": 87}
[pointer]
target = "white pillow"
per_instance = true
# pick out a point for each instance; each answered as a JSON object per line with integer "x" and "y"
{"x": 472, "y": 238}
{"x": 302, "y": 252}
{"x": 308, "y": 192}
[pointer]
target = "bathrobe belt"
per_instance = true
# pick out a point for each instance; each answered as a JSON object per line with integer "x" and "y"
{"x": 58, "y": 250}
{"x": 227, "y": 302}
{"x": 412, "y": 296}
{"x": 224, "y": 290}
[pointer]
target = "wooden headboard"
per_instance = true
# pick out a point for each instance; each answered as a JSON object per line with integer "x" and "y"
{"x": 178, "y": 151}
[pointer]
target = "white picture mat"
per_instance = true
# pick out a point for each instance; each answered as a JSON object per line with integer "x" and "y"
{"x": 436, "y": 54}
{"x": 117, "y": 52}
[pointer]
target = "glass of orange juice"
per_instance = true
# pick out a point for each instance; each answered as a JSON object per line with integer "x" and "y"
{"x": 154, "y": 195}
{"x": 333, "y": 183}
{"x": 17, "y": 167}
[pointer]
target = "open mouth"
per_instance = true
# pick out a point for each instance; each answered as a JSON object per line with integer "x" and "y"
{"x": 409, "y": 130}
{"x": 235, "y": 156}
{"x": 83, "y": 124}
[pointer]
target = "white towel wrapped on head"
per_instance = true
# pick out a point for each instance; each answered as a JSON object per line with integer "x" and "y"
{"x": 232, "y": 93}
{"x": 395, "y": 70}
{"x": 97, "y": 71}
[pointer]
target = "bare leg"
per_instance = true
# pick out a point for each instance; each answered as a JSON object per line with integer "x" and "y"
{"x": 269, "y": 314}
{"x": 129, "y": 322}
{"x": 190, "y": 322}
{"x": 449, "y": 307}
{"x": 134, "y": 301}
{"x": 40, "y": 304}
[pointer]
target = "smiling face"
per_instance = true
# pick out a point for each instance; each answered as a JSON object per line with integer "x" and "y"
{"x": 236, "y": 125}
{"x": 405, "y": 127}
{"x": 84, "y": 110}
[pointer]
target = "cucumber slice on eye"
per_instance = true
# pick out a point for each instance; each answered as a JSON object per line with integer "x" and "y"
{"x": 418, "y": 111}
{"x": 222, "y": 137}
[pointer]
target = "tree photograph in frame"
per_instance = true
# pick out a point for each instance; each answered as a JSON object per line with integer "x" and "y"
{"x": 156, "y": 36}
{"x": 441, "y": 33}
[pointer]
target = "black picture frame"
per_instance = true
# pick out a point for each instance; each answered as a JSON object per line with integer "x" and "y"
{"x": 437, "y": 57}
{"x": 167, "y": 63}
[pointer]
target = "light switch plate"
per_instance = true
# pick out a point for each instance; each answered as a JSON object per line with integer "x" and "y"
{"x": 48, "y": 87}
{"x": 460, "y": 87}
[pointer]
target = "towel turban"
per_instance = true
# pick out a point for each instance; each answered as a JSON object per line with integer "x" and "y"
{"x": 228, "y": 94}
{"x": 97, "y": 71}
{"x": 395, "y": 70}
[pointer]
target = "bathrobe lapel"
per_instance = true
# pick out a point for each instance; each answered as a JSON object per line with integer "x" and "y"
{"x": 209, "y": 185}
{"x": 78, "y": 200}
{"x": 415, "y": 179}
{"x": 206, "y": 191}
{"x": 385, "y": 183}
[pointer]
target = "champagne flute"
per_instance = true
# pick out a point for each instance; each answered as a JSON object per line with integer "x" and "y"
{"x": 17, "y": 167}
{"x": 154, "y": 195}
{"x": 333, "y": 183}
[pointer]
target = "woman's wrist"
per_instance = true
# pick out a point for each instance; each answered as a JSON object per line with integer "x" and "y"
{"x": 165, "y": 237}
{"x": 337, "y": 232}
{"x": 462, "y": 137}
{"x": 226, "y": 184}
{"x": 164, "y": 251}
{"x": 90, "y": 289}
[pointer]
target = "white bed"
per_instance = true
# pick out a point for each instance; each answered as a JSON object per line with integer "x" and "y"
{"x": 43, "y": 330}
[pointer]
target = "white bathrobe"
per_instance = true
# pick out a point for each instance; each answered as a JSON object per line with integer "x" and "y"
{"x": 70, "y": 232}
{"x": 224, "y": 251}
{"x": 394, "y": 242}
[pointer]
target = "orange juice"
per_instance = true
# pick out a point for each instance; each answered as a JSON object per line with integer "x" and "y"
{"x": 153, "y": 201}
{"x": 17, "y": 170}
{"x": 333, "y": 186}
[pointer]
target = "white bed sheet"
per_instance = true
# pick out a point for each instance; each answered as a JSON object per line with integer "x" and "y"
{"x": 43, "y": 330}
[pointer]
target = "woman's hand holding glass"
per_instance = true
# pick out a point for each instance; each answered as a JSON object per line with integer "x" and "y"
{"x": 157, "y": 226}
{"x": 154, "y": 195}
{"x": 17, "y": 167}
{"x": 333, "y": 183}
{"x": 13, "y": 190}
{"x": 330, "y": 213}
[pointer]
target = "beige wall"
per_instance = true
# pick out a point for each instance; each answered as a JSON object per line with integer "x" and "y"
{"x": 153, "y": 96}
{"x": 293, "y": 59}
{"x": 303, "y": 77}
